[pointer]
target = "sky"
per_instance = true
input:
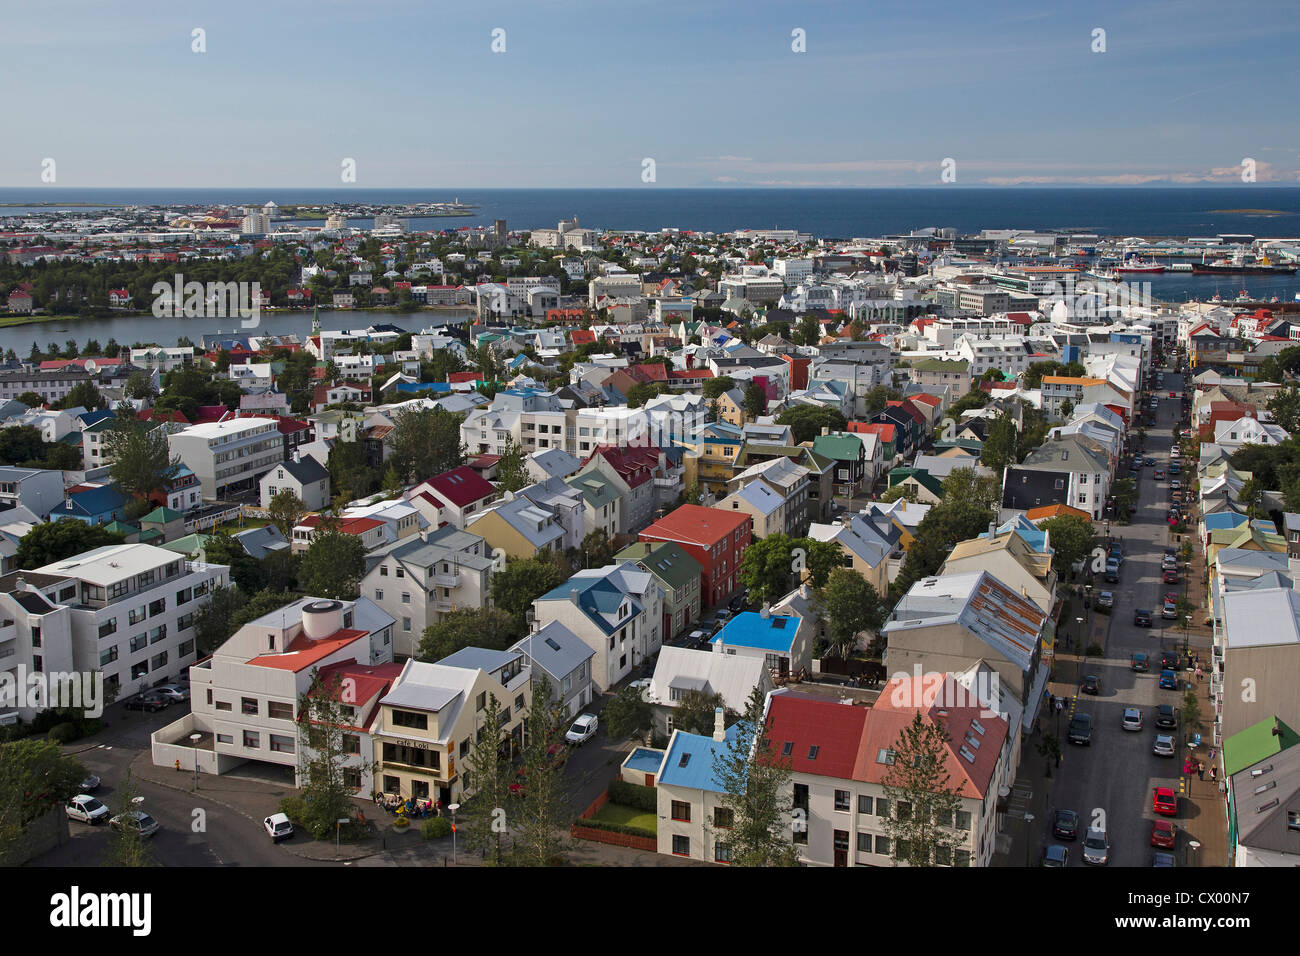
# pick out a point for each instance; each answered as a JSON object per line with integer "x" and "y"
{"x": 582, "y": 93}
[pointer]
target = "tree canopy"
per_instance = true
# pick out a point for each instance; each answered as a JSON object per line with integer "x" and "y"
{"x": 807, "y": 421}
{"x": 54, "y": 541}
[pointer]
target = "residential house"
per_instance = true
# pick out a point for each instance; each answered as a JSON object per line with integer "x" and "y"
{"x": 565, "y": 660}
{"x": 716, "y": 539}
{"x": 678, "y": 576}
{"x": 679, "y": 670}
{"x": 308, "y": 479}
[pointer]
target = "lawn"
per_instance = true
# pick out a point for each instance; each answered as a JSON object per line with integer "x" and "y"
{"x": 627, "y": 816}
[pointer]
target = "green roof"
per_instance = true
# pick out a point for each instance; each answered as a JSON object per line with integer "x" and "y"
{"x": 670, "y": 563}
{"x": 968, "y": 444}
{"x": 121, "y": 527}
{"x": 146, "y": 536}
{"x": 190, "y": 544}
{"x": 161, "y": 515}
{"x": 597, "y": 490}
{"x": 1257, "y": 742}
{"x": 839, "y": 447}
{"x": 923, "y": 478}
{"x": 941, "y": 365}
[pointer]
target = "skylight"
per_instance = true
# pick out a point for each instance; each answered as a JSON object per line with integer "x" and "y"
{"x": 970, "y": 757}
{"x": 686, "y": 758}
{"x": 550, "y": 642}
{"x": 976, "y": 726}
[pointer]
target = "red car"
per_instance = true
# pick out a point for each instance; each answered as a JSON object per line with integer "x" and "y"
{"x": 1163, "y": 834}
{"x": 1164, "y": 802}
{"x": 1172, "y": 597}
{"x": 1171, "y": 577}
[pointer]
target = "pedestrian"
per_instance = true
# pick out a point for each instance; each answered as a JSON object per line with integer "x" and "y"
{"x": 1198, "y": 673}
{"x": 1200, "y": 770}
{"x": 1214, "y": 774}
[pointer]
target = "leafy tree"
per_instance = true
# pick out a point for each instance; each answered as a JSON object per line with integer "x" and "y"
{"x": 31, "y": 400}
{"x": 852, "y": 606}
{"x": 333, "y": 565}
{"x": 755, "y": 788}
{"x": 879, "y": 397}
{"x": 1071, "y": 538}
{"x": 84, "y": 395}
{"x": 972, "y": 400}
{"x": 21, "y": 443}
{"x": 808, "y": 331}
{"x": 141, "y": 458}
{"x": 642, "y": 392}
{"x": 542, "y": 812}
{"x": 324, "y": 721}
{"x": 350, "y": 476}
{"x": 35, "y": 778}
{"x": 597, "y": 549}
{"x": 807, "y": 421}
{"x": 522, "y": 581}
{"x": 425, "y": 442}
{"x": 488, "y": 778}
{"x": 212, "y": 620}
{"x": 126, "y": 846}
{"x": 755, "y": 400}
{"x": 999, "y": 444}
{"x": 245, "y": 571}
{"x": 714, "y": 387}
{"x": 1285, "y": 406}
{"x": 487, "y": 627}
{"x": 965, "y": 484}
{"x": 941, "y": 528}
{"x": 54, "y": 541}
{"x": 626, "y": 715}
{"x": 768, "y": 566}
{"x": 139, "y": 386}
{"x": 900, "y": 490}
{"x": 1124, "y": 491}
{"x": 512, "y": 472}
{"x": 919, "y": 788}
{"x": 696, "y": 711}
{"x": 262, "y": 603}
{"x": 1067, "y": 409}
{"x": 286, "y": 509}
{"x": 62, "y": 457}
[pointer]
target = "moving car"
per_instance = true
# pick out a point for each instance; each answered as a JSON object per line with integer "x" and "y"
{"x": 1096, "y": 848}
{"x": 278, "y": 827}
{"x": 1065, "y": 825}
{"x": 1091, "y": 684}
{"x": 1149, "y": 462}
{"x": 135, "y": 820}
{"x": 1165, "y": 716}
{"x": 1168, "y": 680}
{"x": 1106, "y": 599}
{"x": 583, "y": 729}
{"x": 1159, "y": 473}
{"x": 148, "y": 701}
{"x": 1164, "y": 802}
{"x": 1140, "y": 662}
{"x": 1142, "y": 617}
{"x": 1163, "y": 834}
{"x": 86, "y": 808}
{"x": 1056, "y": 855}
{"x": 1164, "y": 746}
{"x": 1132, "y": 719}
{"x": 1080, "y": 730}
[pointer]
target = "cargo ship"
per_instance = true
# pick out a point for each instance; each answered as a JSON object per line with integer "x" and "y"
{"x": 1238, "y": 266}
{"x": 1139, "y": 266}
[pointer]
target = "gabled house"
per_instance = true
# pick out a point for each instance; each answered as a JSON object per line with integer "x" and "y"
{"x": 680, "y": 670}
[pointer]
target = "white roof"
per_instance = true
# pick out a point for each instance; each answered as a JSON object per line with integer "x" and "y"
{"x": 112, "y": 563}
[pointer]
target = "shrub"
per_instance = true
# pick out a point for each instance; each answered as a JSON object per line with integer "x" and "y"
{"x": 611, "y": 827}
{"x": 1101, "y": 609}
{"x": 658, "y": 741}
{"x": 1094, "y": 650}
{"x": 435, "y": 828}
{"x": 633, "y": 795}
{"x": 295, "y": 808}
{"x": 63, "y": 733}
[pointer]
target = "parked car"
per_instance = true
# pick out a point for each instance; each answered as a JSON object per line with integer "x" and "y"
{"x": 1171, "y": 577}
{"x": 1140, "y": 662}
{"x": 1132, "y": 719}
{"x": 1168, "y": 680}
{"x": 1168, "y": 660}
{"x": 1164, "y": 746}
{"x": 1175, "y": 484}
{"x": 1162, "y": 858}
{"x": 1174, "y": 468}
{"x": 1096, "y": 848}
{"x": 583, "y": 729}
{"x": 1091, "y": 684}
{"x": 1169, "y": 562}
{"x": 86, "y": 808}
{"x": 136, "y": 821}
{"x": 1056, "y": 855}
{"x": 1080, "y": 730}
{"x": 1142, "y": 617}
{"x": 1163, "y": 834}
{"x": 723, "y": 616}
{"x": 1112, "y": 571}
{"x": 1065, "y": 825}
{"x": 90, "y": 784}
{"x": 1170, "y": 611}
{"x": 278, "y": 827}
{"x": 174, "y": 693}
{"x": 1164, "y": 802}
{"x": 1165, "y": 716}
{"x": 1106, "y": 599}
{"x": 148, "y": 701}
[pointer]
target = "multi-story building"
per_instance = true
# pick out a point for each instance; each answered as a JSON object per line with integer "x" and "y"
{"x": 678, "y": 576}
{"x": 229, "y": 456}
{"x": 714, "y": 538}
{"x": 39, "y": 490}
{"x": 565, "y": 660}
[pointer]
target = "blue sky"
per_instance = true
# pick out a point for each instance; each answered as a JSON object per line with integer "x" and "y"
{"x": 587, "y": 89}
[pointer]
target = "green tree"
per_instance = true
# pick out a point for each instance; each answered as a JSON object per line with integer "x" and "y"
{"x": 522, "y": 581}
{"x": 261, "y": 603}
{"x": 1124, "y": 491}
{"x": 32, "y": 400}
{"x": 755, "y": 400}
{"x": 21, "y": 443}
{"x": 213, "y": 617}
{"x": 325, "y": 719}
{"x": 84, "y": 395}
{"x": 714, "y": 387}
{"x": 1285, "y": 406}
{"x": 425, "y": 442}
{"x": 941, "y": 528}
{"x": 245, "y": 571}
{"x": 627, "y": 715}
{"x": 285, "y": 510}
{"x": 512, "y": 471}
{"x": 542, "y": 814}
{"x": 642, "y": 392}
{"x": 126, "y": 846}
{"x": 852, "y": 606}
{"x": 807, "y": 421}
{"x": 333, "y": 565}
{"x": 487, "y": 778}
{"x": 999, "y": 444}
{"x": 487, "y": 627}
{"x": 54, "y": 541}
{"x": 900, "y": 490}
{"x": 1071, "y": 538}
{"x": 924, "y": 800}
{"x": 139, "y": 386}
{"x": 808, "y": 331}
{"x": 35, "y": 779}
{"x": 966, "y": 484}
{"x": 597, "y": 550}
{"x": 756, "y": 789}
{"x": 350, "y": 476}
{"x": 880, "y": 396}
{"x": 1192, "y": 719}
{"x": 141, "y": 460}
{"x": 696, "y": 711}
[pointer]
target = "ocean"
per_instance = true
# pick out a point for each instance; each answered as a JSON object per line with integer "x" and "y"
{"x": 828, "y": 213}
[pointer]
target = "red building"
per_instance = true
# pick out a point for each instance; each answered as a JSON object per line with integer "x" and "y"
{"x": 715, "y": 538}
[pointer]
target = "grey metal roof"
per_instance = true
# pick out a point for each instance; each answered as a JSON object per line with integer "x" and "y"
{"x": 479, "y": 658}
{"x": 555, "y": 649}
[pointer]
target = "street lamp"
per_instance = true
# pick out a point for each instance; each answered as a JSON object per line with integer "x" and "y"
{"x": 1082, "y": 644}
{"x": 194, "y": 739}
{"x": 453, "y": 808}
{"x": 1029, "y": 819}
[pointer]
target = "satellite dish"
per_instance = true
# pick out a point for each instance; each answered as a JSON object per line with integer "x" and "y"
{"x": 92, "y": 366}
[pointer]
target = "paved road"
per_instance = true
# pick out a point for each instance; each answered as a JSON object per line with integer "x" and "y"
{"x": 1112, "y": 780}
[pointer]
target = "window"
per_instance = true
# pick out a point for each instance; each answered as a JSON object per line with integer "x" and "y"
{"x": 281, "y": 744}
{"x": 406, "y": 624}
{"x": 961, "y": 858}
{"x": 407, "y": 718}
{"x": 681, "y": 845}
{"x": 157, "y": 661}
{"x": 186, "y": 648}
{"x": 864, "y": 842}
{"x": 519, "y": 703}
{"x": 864, "y": 805}
{"x": 379, "y": 594}
{"x": 352, "y": 777}
{"x": 681, "y": 810}
{"x": 481, "y": 702}
{"x": 383, "y": 570}
{"x": 882, "y": 845}
{"x": 107, "y": 656}
{"x": 278, "y": 710}
{"x": 137, "y": 615}
{"x": 108, "y": 627}
{"x": 223, "y": 705}
{"x": 252, "y": 739}
{"x": 724, "y": 818}
{"x": 406, "y": 597}
{"x": 842, "y": 802}
{"x": 248, "y": 705}
{"x": 721, "y": 853}
{"x": 225, "y": 739}
{"x": 840, "y": 839}
{"x": 882, "y": 806}
{"x": 963, "y": 820}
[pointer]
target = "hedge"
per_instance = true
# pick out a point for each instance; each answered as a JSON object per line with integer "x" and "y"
{"x": 435, "y": 828}
{"x": 633, "y": 795}
{"x": 63, "y": 733}
{"x": 623, "y": 828}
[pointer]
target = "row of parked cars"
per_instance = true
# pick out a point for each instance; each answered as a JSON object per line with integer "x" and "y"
{"x": 158, "y": 698}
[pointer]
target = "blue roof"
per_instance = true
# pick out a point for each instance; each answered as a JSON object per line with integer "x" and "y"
{"x": 598, "y": 597}
{"x": 644, "y": 760}
{"x": 438, "y": 387}
{"x": 1224, "y": 520}
{"x": 751, "y": 629}
{"x": 95, "y": 501}
{"x": 689, "y": 762}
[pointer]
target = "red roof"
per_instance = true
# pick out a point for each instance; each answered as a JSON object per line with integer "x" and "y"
{"x": 369, "y": 683}
{"x": 582, "y": 337}
{"x": 634, "y": 465}
{"x": 691, "y": 373}
{"x": 695, "y": 524}
{"x": 908, "y": 408}
{"x": 927, "y": 398}
{"x": 210, "y": 413}
{"x": 149, "y": 415}
{"x": 886, "y": 432}
{"x": 806, "y": 722}
{"x": 354, "y": 526}
{"x": 462, "y": 486}
{"x": 288, "y": 426}
{"x": 304, "y": 652}
{"x": 458, "y": 377}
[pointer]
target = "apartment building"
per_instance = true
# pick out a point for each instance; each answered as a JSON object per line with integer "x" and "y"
{"x": 39, "y": 490}
{"x": 714, "y": 538}
{"x": 789, "y": 480}
{"x": 229, "y": 456}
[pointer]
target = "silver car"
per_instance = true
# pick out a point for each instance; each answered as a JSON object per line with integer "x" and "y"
{"x": 1096, "y": 848}
{"x": 136, "y": 821}
{"x": 1164, "y": 746}
{"x": 1132, "y": 718}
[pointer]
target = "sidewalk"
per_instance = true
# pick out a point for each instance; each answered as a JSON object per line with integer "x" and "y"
{"x": 1203, "y": 813}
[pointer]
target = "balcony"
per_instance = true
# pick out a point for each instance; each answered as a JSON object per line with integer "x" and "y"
{"x": 8, "y": 631}
{"x": 448, "y": 580}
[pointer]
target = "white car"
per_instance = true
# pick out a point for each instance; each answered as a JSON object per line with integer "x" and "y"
{"x": 278, "y": 827}
{"x": 1132, "y": 718}
{"x": 86, "y": 808}
{"x": 135, "y": 820}
{"x": 583, "y": 729}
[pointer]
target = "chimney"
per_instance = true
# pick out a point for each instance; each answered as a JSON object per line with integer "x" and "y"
{"x": 719, "y": 725}
{"x": 766, "y": 612}
{"x": 573, "y": 595}
{"x": 805, "y": 591}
